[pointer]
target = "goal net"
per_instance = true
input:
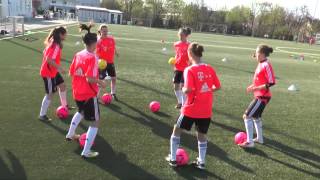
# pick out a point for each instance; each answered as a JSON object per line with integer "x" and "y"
{"x": 12, "y": 26}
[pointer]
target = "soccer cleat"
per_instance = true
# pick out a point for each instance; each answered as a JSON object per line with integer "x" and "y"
{"x": 198, "y": 165}
{"x": 178, "y": 106}
{"x": 73, "y": 138}
{"x": 246, "y": 145}
{"x": 90, "y": 154}
{"x": 171, "y": 163}
{"x": 44, "y": 118}
{"x": 256, "y": 140}
{"x": 114, "y": 97}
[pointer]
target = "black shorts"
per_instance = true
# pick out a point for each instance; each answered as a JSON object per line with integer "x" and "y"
{"x": 256, "y": 107}
{"x": 50, "y": 84}
{"x": 185, "y": 122}
{"x": 90, "y": 109}
{"x": 178, "y": 77}
{"x": 110, "y": 70}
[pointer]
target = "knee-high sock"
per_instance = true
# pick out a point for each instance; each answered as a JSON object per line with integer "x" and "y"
{"x": 74, "y": 124}
{"x": 91, "y": 135}
{"x": 179, "y": 95}
{"x": 63, "y": 98}
{"x": 174, "y": 145}
{"x": 113, "y": 86}
{"x": 202, "y": 148}
{"x": 258, "y": 126}
{"x": 249, "y": 129}
{"x": 45, "y": 105}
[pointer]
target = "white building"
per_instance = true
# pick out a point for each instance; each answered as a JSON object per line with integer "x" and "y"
{"x": 66, "y": 4}
{"x": 97, "y": 14}
{"x": 16, "y": 8}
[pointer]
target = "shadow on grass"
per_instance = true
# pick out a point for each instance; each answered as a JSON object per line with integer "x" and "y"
{"x": 300, "y": 155}
{"x": 164, "y": 130}
{"x": 189, "y": 172}
{"x": 109, "y": 160}
{"x": 14, "y": 170}
{"x": 32, "y": 49}
{"x": 283, "y": 133}
{"x": 145, "y": 87}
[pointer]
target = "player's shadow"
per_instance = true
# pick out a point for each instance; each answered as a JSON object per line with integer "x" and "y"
{"x": 32, "y": 49}
{"x": 298, "y": 139}
{"x": 189, "y": 172}
{"x": 164, "y": 130}
{"x": 303, "y": 156}
{"x": 109, "y": 160}
{"x": 16, "y": 171}
{"x": 145, "y": 87}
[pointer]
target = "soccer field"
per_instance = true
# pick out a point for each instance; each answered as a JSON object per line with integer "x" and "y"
{"x": 132, "y": 141}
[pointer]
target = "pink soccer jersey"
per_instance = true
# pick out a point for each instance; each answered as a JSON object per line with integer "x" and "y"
{"x": 263, "y": 75}
{"x": 182, "y": 59}
{"x": 84, "y": 64}
{"x": 53, "y": 52}
{"x": 106, "y": 49}
{"x": 200, "y": 79}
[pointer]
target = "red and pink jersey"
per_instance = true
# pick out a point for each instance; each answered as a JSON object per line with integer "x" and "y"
{"x": 200, "y": 78}
{"x": 84, "y": 64}
{"x": 106, "y": 48}
{"x": 263, "y": 75}
{"x": 182, "y": 59}
{"x": 53, "y": 52}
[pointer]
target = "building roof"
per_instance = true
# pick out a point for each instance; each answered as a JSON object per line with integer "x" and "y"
{"x": 98, "y": 9}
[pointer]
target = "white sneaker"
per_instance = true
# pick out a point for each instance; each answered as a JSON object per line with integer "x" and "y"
{"x": 75, "y": 137}
{"x": 247, "y": 145}
{"x": 90, "y": 154}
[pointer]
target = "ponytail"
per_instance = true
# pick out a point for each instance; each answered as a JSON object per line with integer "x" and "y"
{"x": 89, "y": 37}
{"x": 54, "y": 36}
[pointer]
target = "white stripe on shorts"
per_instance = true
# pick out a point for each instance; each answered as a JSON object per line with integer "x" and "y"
{"x": 179, "y": 121}
{"x": 96, "y": 109}
{"x": 254, "y": 109}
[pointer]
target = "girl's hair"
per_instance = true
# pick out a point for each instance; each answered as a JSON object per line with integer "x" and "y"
{"x": 89, "y": 37}
{"x": 102, "y": 26}
{"x": 265, "y": 49}
{"x": 186, "y": 31}
{"x": 196, "y": 49}
{"x": 54, "y": 36}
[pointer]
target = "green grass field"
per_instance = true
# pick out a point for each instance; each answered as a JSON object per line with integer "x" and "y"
{"x": 133, "y": 141}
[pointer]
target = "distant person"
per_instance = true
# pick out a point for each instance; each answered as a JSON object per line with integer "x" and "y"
{"x": 200, "y": 84}
{"x": 85, "y": 82}
{"x": 263, "y": 80}
{"x": 51, "y": 71}
{"x": 181, "y": 63}
{"x": 106, "y": 50}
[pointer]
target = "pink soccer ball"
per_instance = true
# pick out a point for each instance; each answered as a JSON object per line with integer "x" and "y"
{"x": 240, "y": 138}
{"x": 106, "y": 98}
{"x": 182, "y": 157}
{"x": 154, "y": 106}
{"x": 82, "y": 140}
{"x": 62, "y": 112}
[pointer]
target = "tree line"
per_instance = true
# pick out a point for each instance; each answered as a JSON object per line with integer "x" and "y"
{"x": 259, "y": 19}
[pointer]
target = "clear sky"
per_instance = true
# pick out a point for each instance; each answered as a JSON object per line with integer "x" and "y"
{"x": 314, "y": 7}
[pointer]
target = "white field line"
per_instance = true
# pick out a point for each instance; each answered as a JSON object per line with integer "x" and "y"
{"x": 35, "y": 32}
{"x": 280, "y": 49}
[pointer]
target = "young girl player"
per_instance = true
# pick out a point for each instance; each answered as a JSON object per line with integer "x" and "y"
{"x": 200, "y": 83}
{"x": 106, "y": 49}
{"x": 85, "y": 82}
{"x": 51, "y": 69}
{"x": 263, "y": 79}
{"x": 182, "y": 61}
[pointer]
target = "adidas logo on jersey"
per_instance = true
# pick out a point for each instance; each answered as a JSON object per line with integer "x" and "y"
{"x": 205, "y": 88}
{"x": 79, "y": 72}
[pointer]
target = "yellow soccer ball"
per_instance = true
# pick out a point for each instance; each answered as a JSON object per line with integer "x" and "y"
{"x": 172, "y": 61}
{"x": 102, "y": 64}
